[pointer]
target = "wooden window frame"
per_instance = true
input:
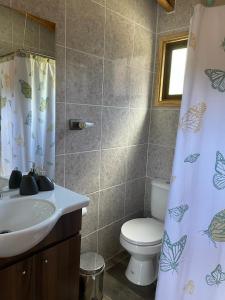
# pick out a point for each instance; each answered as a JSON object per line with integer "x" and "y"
{"x": 168, "y": 5}
{"x": 166, "y": 45}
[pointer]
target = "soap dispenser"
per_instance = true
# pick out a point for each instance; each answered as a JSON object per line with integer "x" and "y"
{"x": 44, "y": 183}
{"x": 28, "y": 186}
{"x": 33, "y": 172}
{"x": 15, "y": 179}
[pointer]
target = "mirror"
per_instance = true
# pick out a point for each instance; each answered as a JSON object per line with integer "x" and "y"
{"x": 27, "y": 92}
{"x": 171, "y": 69}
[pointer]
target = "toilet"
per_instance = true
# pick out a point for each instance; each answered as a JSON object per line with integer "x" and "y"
{"x": 142, "y": 237}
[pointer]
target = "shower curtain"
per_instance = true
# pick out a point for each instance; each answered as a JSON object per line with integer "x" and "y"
{"x": 27, "y": 94}
{"x": 192, "y": 260}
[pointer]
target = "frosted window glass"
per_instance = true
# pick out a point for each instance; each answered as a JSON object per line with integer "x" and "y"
{"x": 177, "y": 72}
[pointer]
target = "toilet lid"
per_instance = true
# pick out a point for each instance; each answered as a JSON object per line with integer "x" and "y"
{"x": 144, "y": 231}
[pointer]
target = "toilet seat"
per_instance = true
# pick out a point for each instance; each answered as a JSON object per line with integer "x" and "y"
{"x": 143, "y": 231}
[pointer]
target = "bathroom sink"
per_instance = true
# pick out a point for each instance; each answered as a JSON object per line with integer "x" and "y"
{"x": 24, "y": 222}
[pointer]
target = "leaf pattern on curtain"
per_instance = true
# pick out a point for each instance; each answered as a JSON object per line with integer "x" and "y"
{"x": 27, "y": 96}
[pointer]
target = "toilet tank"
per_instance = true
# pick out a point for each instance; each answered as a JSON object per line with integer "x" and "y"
{"x": 159, "y": 197}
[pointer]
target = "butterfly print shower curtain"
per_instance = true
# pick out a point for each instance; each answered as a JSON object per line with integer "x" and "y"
{"x": 192, "y": 260}
{"x": 27, "y": 94}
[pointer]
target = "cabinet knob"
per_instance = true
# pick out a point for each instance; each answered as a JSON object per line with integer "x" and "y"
{"x": 45, "y": 261}
{"x": 24, "y": 272}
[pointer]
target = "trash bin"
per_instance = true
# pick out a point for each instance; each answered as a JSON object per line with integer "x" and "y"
{"x": 92, "y": 267}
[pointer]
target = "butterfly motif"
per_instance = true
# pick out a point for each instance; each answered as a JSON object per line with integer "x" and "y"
{"x": 19, "y": 140}
{"x": 216, "y": 229}
{"x": 178, "y": 212}
{"x": 28, "y": 118}
{"x": 217, "y": 78}
{"x": 50, "y": 127}
{"x": 39, "y": 151}
{"x": 189, "y": 287}
{"x": 171, "y": 253}
{"x": 3, "y": 102}
{"x": 26, "y": 89}
{"x": 43, "y": 104}
{"x": 192, "y": 158}
{"x": 216, "y": 277}
{"x": 192, "y": 119}
{"x": 219, "y": 177}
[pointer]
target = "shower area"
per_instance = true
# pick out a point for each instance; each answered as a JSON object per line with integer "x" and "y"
{"x": 193, "y": 250}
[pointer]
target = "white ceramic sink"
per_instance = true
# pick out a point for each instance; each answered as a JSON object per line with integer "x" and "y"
{"x": 26, "y": 221}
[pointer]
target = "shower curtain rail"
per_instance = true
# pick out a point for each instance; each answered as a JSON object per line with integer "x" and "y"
{"x": 25, "y": 51}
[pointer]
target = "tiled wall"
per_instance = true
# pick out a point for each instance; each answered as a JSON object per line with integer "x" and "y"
{"x": 104, "y": 75}
{"x": 19, "y": 32}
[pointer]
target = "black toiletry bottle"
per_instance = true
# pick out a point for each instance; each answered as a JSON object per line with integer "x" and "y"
{"x": 28, "y": 186}
{"x": 45, "y": 183}
{"x": 15, "y": 179}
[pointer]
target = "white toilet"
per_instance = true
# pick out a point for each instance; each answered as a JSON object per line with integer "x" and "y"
{"x": 142, "y": 238}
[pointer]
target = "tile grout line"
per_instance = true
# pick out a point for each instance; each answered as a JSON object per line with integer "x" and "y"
{"x": 103, "y": 149}
{"x": 129, "y": 110}
{"x": 101, "y": 129}
{"x": 150, "y": 113}
{"x": 65, "y": 96}
{"x": 110, "y": 224}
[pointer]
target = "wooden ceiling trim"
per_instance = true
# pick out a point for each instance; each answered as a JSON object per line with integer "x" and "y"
{"x": 168, "y": 5}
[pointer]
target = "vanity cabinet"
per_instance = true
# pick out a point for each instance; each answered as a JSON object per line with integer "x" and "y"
{"x": 17, "y": 281}
{"x": 57, "y": 276}
{"x": 49, "y": 271}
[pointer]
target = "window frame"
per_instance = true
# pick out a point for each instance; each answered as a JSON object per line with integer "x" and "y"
{"x": 167, "y": 44}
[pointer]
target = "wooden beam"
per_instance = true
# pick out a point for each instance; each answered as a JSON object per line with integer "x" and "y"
{"x": 168, "y": 5}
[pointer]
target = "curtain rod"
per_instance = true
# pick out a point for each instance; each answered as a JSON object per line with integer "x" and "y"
{"x": 25, "y": 51}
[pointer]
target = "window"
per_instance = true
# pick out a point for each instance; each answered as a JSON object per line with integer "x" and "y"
{"x": 171, "y": 69}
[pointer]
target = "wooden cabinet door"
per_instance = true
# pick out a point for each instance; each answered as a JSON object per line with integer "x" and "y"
{"x": 17, "y": 281}
{"x": 57, "y": 271}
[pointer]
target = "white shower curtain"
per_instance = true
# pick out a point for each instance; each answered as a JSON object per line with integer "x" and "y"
{"x": 27, "y": 94}
{"x": 192, "y": 262}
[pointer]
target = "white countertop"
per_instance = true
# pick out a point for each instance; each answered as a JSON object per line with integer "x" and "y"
{"x": 63, "y": 199}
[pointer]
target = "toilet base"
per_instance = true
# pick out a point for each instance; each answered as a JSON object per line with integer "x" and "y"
{"x": 141, "y": 272}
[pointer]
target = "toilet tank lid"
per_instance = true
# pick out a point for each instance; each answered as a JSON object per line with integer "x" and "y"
{"x": 163, "y": 184}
